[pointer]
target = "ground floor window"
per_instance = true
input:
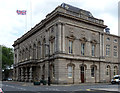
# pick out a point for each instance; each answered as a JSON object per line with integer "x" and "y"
{"x": 93, "y": 70}
{"x": 115, "y": 70}
{"x": 108, "y": 70}
{"x": 70, "y": 70}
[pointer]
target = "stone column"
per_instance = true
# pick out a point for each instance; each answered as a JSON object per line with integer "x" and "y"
{"x": 14, "y": 74}
{"x": 100, "y": 45}
{"x": 103, "y": 44}
{"x": 19, "y": 74}
{"x": 63, "y": 38}
{"x": 58, "y": 37}
{"x": 22, "y": 74}
{"x": 14, "y": 58}
{"x": 30, "y": 74}
{"x": 26, "y": 74}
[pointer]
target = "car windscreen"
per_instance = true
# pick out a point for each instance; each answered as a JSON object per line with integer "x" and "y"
{"x": 116, "y": 77}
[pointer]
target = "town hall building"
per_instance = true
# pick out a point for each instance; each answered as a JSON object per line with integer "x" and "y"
{"x": 70, "y": 46}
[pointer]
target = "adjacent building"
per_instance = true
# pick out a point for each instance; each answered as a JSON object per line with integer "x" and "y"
{"x": 70, "y": 46}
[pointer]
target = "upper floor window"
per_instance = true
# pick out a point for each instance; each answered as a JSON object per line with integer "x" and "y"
{"x": 93, "y": 50}
{"x": 108, "y": 39}
{"x": 82, "y": 49}
{"x": 107, "y": 50}
{"x": 115, "y": 70}
{"x": 115, "y": 51}
{"x": 70, "y": 46}
{"x": 115, "y": 41}
{"x": 52, "y": 29}
{"x": 52, "y": 47}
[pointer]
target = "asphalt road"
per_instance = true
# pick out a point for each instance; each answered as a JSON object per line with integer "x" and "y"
{"x": 20, "y": 87}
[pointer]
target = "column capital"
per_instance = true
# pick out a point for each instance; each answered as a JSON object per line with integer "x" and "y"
{"x": 58, "y": 23}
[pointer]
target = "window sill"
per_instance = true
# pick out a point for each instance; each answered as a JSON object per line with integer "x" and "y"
{"x": 69, "y": 77}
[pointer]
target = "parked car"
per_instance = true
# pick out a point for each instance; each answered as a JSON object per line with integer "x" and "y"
{"x": 1, "y": 91}
{"x": 116, "y": 79}
{"x": 9, "y": 79}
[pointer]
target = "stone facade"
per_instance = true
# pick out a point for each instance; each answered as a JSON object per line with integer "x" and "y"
{"x": 70, "y": 45}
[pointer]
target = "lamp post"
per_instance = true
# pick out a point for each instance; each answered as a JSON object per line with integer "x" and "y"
{"x": 49, "y": 82}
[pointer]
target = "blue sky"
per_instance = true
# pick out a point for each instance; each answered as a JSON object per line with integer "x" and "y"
{"x": 13, "y": 26}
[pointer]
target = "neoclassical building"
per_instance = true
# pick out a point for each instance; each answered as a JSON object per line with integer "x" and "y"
{"x": 71, "y": 46}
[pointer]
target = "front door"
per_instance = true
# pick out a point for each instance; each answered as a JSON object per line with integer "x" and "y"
{"x": 82, "y": 74}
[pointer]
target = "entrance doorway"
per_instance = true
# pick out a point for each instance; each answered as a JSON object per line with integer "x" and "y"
{"x": 82, "y": 68}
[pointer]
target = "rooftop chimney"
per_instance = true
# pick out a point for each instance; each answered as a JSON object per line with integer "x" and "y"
{"x": 107, "y": 30}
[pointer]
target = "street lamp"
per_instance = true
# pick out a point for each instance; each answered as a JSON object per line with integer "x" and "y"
{"x": 49, "y": 82}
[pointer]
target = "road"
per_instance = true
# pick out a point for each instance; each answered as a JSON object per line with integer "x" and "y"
{"x": 21, "y": 87}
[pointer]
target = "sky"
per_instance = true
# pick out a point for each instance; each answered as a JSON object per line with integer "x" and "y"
{"x": 13, "y": 26}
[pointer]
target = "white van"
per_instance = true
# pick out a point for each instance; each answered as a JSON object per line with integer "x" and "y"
{"x": 116, "y": 79}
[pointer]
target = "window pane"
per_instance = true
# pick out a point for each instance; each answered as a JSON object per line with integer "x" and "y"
{"x": 108, "y": 39}
{"x": 92, "y": 71}
{"x": 70, "y": 47}
{"x": 70, "y": 71}
{"x": 93, "y": 50}
{"x": 107, "y": 50}
{"x": 115, "y": 51}
{"x": 82, "y": 49}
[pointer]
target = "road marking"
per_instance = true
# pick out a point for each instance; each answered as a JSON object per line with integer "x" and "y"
{"x": 88, "y": 89}
{"x": 24, "y": 84}
{"x": 53, "y": 89}
{"x": 15, "y": 87}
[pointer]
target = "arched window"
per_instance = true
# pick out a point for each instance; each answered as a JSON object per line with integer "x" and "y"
{"x": 115, "y": 41}
{"x": 93, "y": 70}
{"x": 108, "y": 70}
{"x": 107, "y": 39}
{"x": 70, "y": 70}
{"x": 115, "y": 70}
